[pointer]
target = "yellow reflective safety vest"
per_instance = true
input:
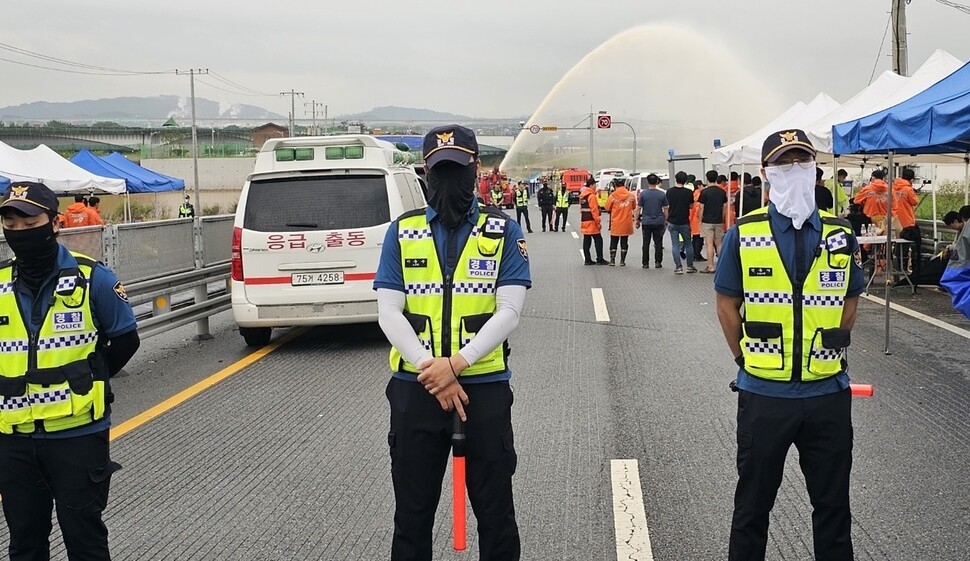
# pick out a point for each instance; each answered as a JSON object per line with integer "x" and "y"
{"x": 447, "y": 311}
{"x": 522, "y": 198}
{"x": 562, "y": 199}
{"x": 497, "y": 197}
{"x": 53, "y": 378}
{"x": 792, "y": 333}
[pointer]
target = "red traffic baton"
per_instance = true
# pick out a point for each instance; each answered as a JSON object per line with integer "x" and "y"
{"x": 458, "y": 482}
{"x": 861, "y": 390}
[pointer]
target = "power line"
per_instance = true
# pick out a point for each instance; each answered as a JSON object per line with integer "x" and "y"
{"x": 962, "y": 7}
{"x": 72, "y": 64}
{"x": 236, "y": 92}
{"x": 227, "y": 81}
{"x": 879, "y": 52}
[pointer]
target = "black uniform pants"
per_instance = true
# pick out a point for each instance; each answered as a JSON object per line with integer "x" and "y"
{"x": 821, "y": 430}
{"x": 655, "y": 233}
{"x": 546, "y": 216}
{"x": 420, "y": 443}
{"x": 698, "y": 242}
{"x": 594, "y": 239}
{"x": 71, "y": 474}
{"x": 519, "y": 212}
{"x": 561, "y": 212}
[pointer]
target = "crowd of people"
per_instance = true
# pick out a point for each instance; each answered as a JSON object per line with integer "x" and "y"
{"x": 695, "y": 214}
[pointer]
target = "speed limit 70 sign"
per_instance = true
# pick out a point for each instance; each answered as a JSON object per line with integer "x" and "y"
{"x": 604, "y": 122}
{"x": 534, "y": 129}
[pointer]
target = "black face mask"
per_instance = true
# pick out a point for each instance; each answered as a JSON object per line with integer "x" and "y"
{"x": 36, "y": 250}
{"x": 451, "y": 190}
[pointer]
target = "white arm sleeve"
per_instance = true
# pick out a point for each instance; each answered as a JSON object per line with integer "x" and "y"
{"x": 508, "y": 306}
{"x": 397, "y": 329}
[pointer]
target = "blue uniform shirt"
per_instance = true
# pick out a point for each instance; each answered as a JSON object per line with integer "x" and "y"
{"x": 513, "y": 270}
{"x": 727, "y": 281}
{"x": 112, "y": 317}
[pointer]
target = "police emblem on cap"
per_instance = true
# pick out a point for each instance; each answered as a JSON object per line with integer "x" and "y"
{"x": 790, "y": 136}
{"x": 18, "y": 192}
{"x": 446, "y": 138}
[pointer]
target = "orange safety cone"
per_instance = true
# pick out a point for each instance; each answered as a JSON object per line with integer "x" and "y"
{"x": 458, "y": 482}
{"x": 861, "y": 390}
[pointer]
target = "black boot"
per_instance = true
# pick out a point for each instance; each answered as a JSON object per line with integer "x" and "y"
{"x": 612, "y": 257}
{"x": 622, "y": 258}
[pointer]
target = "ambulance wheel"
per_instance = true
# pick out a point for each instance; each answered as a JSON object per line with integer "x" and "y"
{"x": 256, "y": 336}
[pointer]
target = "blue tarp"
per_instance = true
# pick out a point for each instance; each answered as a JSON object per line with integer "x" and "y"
{"x": 4, "y": 183}
{"x": 156, "y": 182}
{"x": 934, "y": 121}
{"x": 413, "y": 142}
{"x": 137, "y": 178}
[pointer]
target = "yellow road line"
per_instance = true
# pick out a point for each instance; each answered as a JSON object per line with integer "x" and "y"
{"x": 170, "y": 403}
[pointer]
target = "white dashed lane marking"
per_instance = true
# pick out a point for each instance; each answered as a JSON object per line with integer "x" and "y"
{"x": 629, "y": 516}
{"x": 599, "y": 306}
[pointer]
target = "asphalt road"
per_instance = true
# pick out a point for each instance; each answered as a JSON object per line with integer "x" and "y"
{"x": 287, "y": 459}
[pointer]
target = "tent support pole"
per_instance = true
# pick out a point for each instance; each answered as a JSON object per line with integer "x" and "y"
{"x": 835, "y": 185}
{"x": 936, "y": 234}
{"x": 966, "y": 179}
{"x": 740, "y": 194}
{"x": 889, "y": 241}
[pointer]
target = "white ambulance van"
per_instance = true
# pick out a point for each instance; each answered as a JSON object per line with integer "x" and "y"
{"x": 309, "y": 228}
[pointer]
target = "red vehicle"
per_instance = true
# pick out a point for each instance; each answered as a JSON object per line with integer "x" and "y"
{"x": 574, "y": 180}
{"x": 488, "y": 181}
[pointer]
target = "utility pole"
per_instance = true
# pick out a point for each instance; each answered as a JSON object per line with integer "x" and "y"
{"x": 900, "y": 49}
{"x": 313, "y": 112}
{"x": 592, "y": 168}
{"x": 292, "y": 94}
{"x": 195, "y": 133}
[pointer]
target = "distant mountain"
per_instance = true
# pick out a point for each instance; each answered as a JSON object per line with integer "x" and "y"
{"x": 126, "y": 108}
{"x": 391, "y": 113}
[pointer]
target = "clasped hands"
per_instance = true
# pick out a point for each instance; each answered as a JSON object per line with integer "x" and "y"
{"x": 441, "y": 381}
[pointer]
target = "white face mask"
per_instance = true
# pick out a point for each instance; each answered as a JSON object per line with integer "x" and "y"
{"x": 793, "y": 192}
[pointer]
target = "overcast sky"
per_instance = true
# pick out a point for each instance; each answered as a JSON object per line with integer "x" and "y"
{"x": 496, "y": 58}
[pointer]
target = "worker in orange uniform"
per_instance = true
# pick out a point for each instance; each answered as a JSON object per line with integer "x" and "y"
{"x": 874, "y": 199}
{"x": 620, "y": 205}
{"x": 905, "y": 202}
{"x": 76, "y": 215}
{"x": 589, "y": 218}
{"x": 94, "y": 212}
{"x": 695, "y": 219}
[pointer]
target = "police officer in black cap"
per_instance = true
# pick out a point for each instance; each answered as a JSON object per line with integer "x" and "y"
{"x": 792, "y": 269}
{"x": 450, "y": 287}
{"x": 66, "y": 327}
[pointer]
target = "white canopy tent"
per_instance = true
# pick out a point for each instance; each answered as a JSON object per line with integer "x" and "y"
{"x": 45, "y": 166}
{"x": 747, "y": 151}
{"x": 888, "y": 90}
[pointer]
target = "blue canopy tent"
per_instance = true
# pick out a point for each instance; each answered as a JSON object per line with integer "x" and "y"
{"x": 934, "y": 121}
{"x": 154, "y": 182}
{"x": 137, "y": 178}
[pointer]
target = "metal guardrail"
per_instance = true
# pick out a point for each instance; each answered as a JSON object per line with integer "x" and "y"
{"x": 159, "y": 259}
{"x": 945, "y": 235}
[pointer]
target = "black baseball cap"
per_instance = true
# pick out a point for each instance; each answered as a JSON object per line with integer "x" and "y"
{"x": 450, "y": 143}
{"x": 780, "y": 142}
{"x": 30, "y": 198}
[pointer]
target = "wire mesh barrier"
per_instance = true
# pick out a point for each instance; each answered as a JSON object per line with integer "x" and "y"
{"x": 88, "y": 240}
{"x": 151, "y": 249}
{"x": 216, "y": 234}
{"x": 161, "y": 259}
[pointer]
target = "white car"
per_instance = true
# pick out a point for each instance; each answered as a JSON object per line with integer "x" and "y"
{"x": 309, "y": 228}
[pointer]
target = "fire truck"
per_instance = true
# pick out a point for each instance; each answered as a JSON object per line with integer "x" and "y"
{"x": 488, "y": 181}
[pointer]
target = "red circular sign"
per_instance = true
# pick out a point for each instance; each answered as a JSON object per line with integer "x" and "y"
{"x": 604, "y": 122}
